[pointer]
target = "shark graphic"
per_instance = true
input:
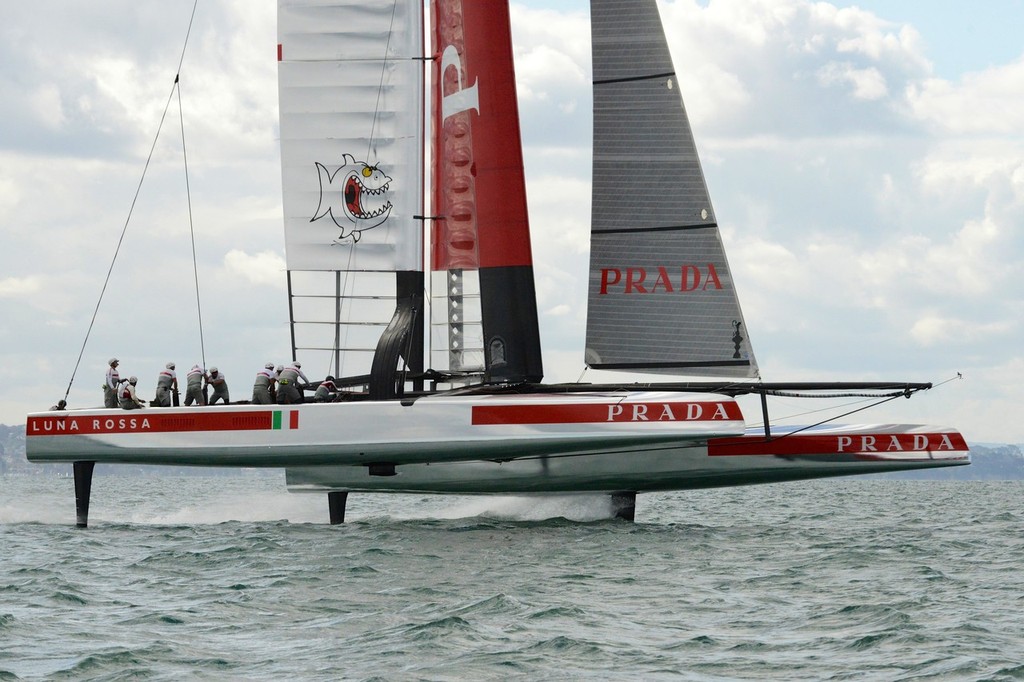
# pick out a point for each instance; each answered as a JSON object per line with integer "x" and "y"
{"x": 355, "y": 195}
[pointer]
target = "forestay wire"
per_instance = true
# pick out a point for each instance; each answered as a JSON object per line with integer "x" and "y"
{"x": 191, "y": 228}
{"x": 131, "y": 208}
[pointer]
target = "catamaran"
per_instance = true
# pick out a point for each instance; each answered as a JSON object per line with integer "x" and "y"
{"x": 440, "y": 376}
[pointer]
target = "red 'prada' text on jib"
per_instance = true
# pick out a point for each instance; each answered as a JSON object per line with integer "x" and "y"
{"x": 650, "y": 281}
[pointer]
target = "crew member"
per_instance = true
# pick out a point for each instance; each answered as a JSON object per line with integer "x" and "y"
{"x": 194, "y": 386}
{"x": 220, "y": 386}
{"x": 277, "y": 379}
{"x": 129, "y": 399}
{"x": 111, "y": 384}
{"x": 166, "y": 381}
{"x": 60, "y": 406}
{"x": 325, "y": 392}
{"x": 288, "y": 384}
{"x": 262, "y": 388}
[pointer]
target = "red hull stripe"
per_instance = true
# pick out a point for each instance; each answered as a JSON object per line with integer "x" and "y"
{"x": 155, "y": 421}
{"x": 879, "y": 444}
{"x": 603, "y": 413}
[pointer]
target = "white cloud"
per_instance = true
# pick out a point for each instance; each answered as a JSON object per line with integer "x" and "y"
{"x": 968, "y": 165}
{"x": 868, "y": 84}
{"x": 10, "y": 193}
{"x": 48, "y": 109}
{"x": 986, "y": 102}
{"x": 14, "y": 287}
{"x": 265, "y": 268}
{"x": 931, "y": 330}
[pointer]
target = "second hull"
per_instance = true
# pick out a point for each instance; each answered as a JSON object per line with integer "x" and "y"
{"x": 817, "y": 453}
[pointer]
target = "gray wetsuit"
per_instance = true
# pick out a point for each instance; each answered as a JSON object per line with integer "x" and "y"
{"x": 220, "y": 388}
{"x": 261, "y": 387}
{"x": 194, "y": 387}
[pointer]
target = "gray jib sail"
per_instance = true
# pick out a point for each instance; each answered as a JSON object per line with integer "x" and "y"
{"x": 661, "y": 298}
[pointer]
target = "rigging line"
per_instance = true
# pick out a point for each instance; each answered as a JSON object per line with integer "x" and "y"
{"x": 188, "y": 32}
{"x": 380, "y": 86}
{"x": 832, "y": 419}
{"x": 131, "y": 208}
{"x": 865, "y": 397}
{"x": 822, "y": 409}
{"x": 191, "y": 225}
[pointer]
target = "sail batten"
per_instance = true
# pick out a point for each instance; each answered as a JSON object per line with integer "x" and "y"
{"x": 627, "y": 79}
{"x": 656, "y": 228}
{"x": 661, "y": 293}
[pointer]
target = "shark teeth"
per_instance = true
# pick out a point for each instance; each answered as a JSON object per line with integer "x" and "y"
{"x": 379, "y": 212}
{"x": 377, "y": 192}
{"x": 367, "y": 193}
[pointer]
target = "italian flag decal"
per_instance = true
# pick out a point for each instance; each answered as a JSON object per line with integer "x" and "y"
{"x": 280, "y": 422}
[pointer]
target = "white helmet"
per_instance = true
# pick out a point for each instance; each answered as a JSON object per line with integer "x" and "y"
{"x": 213, "y": 370}
{"x": 170, "y": 365}
{"x": 111, "y": 361}
{"x": 280, "y": 368}
{"x": 269, "y": 365}
{"x": 297, "y": 364}
{"x": 133, "y": 380}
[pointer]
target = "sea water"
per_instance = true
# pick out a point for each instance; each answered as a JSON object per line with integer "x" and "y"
{"x": 234, "y": 578}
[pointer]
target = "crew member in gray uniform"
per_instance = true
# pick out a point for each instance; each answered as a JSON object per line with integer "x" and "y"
{"x": 111, "y": 383}
{"x": 194, "y": 386}
{"x": 265, "y": 378}
{"x": 129, "y": 399}
{"x": 325, "y": 392}
{"x": 288, "y": 389}
{"x": 277, "y": 378}
{"x": 220, "y": 386}
{"x": 165, "y": 382}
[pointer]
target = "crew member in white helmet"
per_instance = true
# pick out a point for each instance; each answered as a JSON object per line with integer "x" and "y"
{"x": 194, "y": 386}
{"x": 277, "y": 379}
{"x": 129, "y": 399}
{"x": 220, "y": 386}
{"x": 262, "y": 387}
{"x": 288, "y": 391}
{"x": 166, "y": 381}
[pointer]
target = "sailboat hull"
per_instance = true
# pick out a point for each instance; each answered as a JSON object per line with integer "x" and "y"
{"x": 750, "y": 459}
{"x": 362, "y": 433}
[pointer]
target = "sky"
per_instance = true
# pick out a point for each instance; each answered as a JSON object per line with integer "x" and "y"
{"x": 865, "y": 161}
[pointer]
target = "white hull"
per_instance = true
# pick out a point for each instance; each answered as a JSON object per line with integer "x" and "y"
{"x": 440, "y": 428}
{"x": 583, "y": 442}
{"x": 816, "y": 453}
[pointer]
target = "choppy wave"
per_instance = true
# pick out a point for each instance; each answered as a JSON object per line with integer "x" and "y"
{"x": 233, "y": 578}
